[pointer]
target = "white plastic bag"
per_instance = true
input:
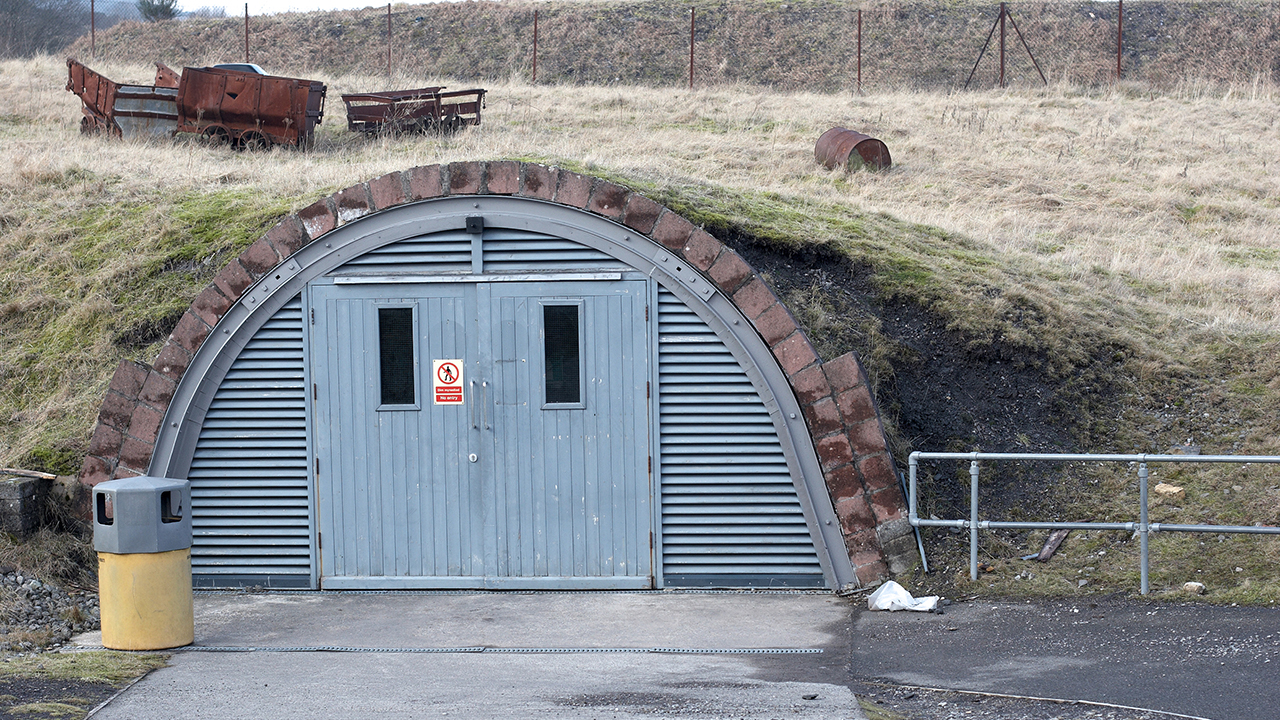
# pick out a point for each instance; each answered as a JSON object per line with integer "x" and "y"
{"x": 892, "y": 596}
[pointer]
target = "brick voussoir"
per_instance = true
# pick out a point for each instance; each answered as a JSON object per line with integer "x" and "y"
{"x": 106, "y": 440}
{"x": 259, "y": 258}
{"x": 190, "y": 333}
{"x": 795, "y": 353}
{"x": 810, "y": 385}
{"x": 503, "y": 178}
{"x": 425, "y": 181}
{"x": 573, "y": 189}
{"x": 754, "y": 298}
{"x": 538, "y": 181}
{"x": 702, "y": 250}
{"x": 116, "y": 411}
{"x": 607, "y": 199}
{"x": 233, "y": 280}
{"x": 465, "y": 178}
{"x": 136, "y": 455}
{"x": 822, "y": 417}
{"x": 387, "y": 191}
{"x": 128, "y": 378}
{"x": 145, "y": 423}
{"x": 844, "y": 373}
{"x": 158, "y": 391}
{"x": 730, "y": 272}
{"x": 95, "y": 470}
{"x": 641, "y": 213}
{"x": 672, "y": 231}
{"x": 319, "y": 217}
{"x": 288, "y": 236}
{"x": 211, "y": 305}
{"x": 352, "y": 203}
{"x": 775, "y": 324}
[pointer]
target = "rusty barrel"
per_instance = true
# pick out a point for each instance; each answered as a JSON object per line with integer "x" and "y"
{"x": 836, "y": 148}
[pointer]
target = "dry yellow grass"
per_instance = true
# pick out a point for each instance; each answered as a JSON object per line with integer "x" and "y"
{"x": 1172, "y": 200}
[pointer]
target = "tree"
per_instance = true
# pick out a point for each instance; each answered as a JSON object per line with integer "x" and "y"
{"x": 153, "y": 10}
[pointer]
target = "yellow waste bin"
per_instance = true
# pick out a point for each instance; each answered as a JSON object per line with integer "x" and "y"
{"x": 142, "y": 532}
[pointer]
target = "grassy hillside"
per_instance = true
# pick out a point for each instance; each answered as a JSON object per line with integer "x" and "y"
{"x": 1041, "y": 269}
{"x": 807, "y": 45}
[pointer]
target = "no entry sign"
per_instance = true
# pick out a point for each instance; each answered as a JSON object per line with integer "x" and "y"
{"x": 446, "y": 381}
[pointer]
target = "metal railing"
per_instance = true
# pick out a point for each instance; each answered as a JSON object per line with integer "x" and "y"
{"x": 1143, "y": 527}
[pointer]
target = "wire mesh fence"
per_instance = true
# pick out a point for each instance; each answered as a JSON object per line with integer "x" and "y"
{"x": 821, "y": 46}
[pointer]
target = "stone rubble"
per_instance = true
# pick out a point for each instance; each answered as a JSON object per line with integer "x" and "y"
{"x": 38, "y": 616}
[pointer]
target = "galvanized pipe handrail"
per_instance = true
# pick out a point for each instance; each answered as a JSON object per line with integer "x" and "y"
{"x": 1143, "y": 527}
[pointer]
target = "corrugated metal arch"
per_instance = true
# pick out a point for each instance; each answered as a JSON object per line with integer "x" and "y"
{"x": 176, "y": 441}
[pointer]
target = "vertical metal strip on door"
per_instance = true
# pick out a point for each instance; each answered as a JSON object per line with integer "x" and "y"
{"x": 730, "y": 512}
{"x": 249, "y": 490}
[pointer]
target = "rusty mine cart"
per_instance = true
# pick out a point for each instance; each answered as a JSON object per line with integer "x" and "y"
{"x": 228, "y": 105}
{"x": 405, "y": 111}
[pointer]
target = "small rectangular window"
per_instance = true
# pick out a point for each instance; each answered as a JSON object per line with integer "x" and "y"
{"x": 395, "y": 354}
{"x": 560, "y": 335}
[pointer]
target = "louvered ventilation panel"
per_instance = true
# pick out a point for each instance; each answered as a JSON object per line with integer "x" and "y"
{"x": 514, "y": 251}
{"x": 444, "y": 252}
{"x": 730, "y": 513}
{"x": 249, "y": 503}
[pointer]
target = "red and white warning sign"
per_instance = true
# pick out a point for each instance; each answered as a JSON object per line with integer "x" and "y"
{"x": 446, "y": 381}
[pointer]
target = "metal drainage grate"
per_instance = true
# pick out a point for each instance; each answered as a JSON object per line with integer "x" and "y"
{"x": 511, "y": 651}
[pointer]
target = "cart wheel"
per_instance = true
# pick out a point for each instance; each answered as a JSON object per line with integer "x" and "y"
{"x": 217, "y": 136}
{"x": 86, "y": 126}
{"x": 451, "y": 124}
{"x": 254, "y": 141}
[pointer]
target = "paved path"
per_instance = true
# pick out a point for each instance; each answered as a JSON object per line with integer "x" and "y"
{"x": 597, "y": 671}
{"x": 1214, "y": 662}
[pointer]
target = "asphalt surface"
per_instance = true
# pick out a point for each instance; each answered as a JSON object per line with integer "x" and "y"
{"x": 504, "y": 655}
{"x": 1221, "y": 663}
{"x": 709, "y": 655}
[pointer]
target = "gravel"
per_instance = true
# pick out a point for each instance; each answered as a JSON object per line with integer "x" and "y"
{"x": 38, "y": 616}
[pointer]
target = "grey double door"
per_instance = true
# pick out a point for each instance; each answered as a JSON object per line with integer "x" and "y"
{"x": 482, "y": 434}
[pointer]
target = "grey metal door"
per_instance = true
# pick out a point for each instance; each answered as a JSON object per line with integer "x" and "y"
{"x": 538, "y": 477}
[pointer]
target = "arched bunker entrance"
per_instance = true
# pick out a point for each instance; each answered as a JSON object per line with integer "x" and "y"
{"x": 505, "y": 375}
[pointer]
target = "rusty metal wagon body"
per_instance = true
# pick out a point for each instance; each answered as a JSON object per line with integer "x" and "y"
{"x": 124, "y": 110}
{"x": 247, "y": 109}
{"x": 421, "y": 110}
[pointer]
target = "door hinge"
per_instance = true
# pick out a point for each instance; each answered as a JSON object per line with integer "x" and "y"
{"x": 646, "y": 313}
{"x": 650, "y": 541}
{"x": 317, "y": 466}
{"x": 650, "y": 464}
{"x": 313, "y": 316}
{"x": 647, "y": 389}
{"x": 315, "y": 392}
{"x": 320, "y": 541}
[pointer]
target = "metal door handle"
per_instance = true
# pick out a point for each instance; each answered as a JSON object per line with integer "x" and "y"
{"x": 473, "y": 405}
{"x": 484, "y": 411}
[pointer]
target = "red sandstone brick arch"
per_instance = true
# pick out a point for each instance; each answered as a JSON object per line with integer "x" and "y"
{"x": 839, "y": 409}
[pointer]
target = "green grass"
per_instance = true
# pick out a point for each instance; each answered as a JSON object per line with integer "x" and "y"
{"x": 97, "y": 666}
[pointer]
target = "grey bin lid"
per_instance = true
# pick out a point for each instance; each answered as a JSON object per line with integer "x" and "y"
{"x": 141, "y": 515}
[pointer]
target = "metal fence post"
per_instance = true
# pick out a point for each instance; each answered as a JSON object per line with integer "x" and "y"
{"x": 535, "y": 46}
{"x": 93, "y": 30}
{"x": 973, "y": 519}
{"x": 246, "y": 32}
{"x": 1119, "y": 36}
{"x": 388, "y": 41}
{"x": 1003, "y": 14}
{"x": 859, "y": 51}
{"x": 693, "y": 12}
{"x": 1143, "y": 527}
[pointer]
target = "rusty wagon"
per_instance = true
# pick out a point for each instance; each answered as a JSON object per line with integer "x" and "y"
{"x": 124, "y": 110}
{"x": 226, "y": 105}
{"x": 247, "y": 109}
{"x": 421, "y": 110}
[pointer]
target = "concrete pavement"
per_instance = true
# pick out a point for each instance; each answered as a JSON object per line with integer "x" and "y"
{"x": 505, "y": 655}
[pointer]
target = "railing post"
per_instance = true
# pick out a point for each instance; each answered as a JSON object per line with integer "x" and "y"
{"x": 1143, "y": 527}
{"x": 973, "y": 520}
{"x": 912, "y": 465}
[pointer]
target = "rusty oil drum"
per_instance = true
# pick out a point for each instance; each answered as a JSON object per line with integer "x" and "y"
{"x": 836, "y": 148}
